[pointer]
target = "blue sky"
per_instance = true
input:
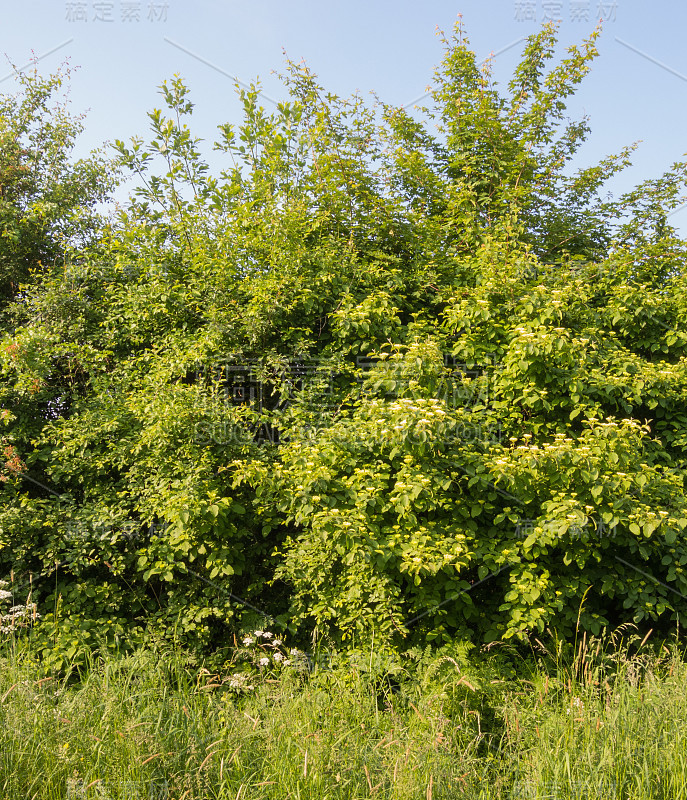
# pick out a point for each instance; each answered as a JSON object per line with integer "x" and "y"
{"x": 125, "y": 48}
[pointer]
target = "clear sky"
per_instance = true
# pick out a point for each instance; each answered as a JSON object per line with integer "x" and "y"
{"x": 125, "y": 48}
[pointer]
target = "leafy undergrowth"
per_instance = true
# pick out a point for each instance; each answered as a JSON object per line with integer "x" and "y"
{"x": 603, "y": 721}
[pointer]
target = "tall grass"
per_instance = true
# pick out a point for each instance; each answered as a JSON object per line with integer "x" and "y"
{"x": 603, "y": 723}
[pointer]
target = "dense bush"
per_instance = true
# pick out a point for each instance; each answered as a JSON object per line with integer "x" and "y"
{"x": 388, "y": 376}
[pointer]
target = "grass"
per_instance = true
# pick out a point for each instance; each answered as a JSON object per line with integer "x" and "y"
{"x": 607, "y": 722}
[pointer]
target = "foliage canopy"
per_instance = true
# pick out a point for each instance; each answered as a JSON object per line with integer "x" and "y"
{"x": 391, "y": 375}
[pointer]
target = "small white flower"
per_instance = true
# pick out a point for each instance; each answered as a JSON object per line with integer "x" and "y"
{"x": 248, "y": 640}
{"x": 239, "y": 681}
{"x": 258, "y": 634}
{"x": 267, "y": 635}
{"x": 4, "y": 595}
{"x": 278, "y": 657}
{"x": 264, "y": 662}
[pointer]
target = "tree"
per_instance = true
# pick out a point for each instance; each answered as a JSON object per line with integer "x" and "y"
{"x": 372, "y": 379}
{"x": 47, "y": 201}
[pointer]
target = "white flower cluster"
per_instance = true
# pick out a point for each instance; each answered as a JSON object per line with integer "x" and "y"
{"x": 240, "y": 681}
{"x": 17, "y": 616}
{"x": 270, "y": 638}
{"x": 265, "y": 639}
{"x": 576, "y": 705}
{"x": 266, "y": 649}
{"x": 261, "y": 651}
